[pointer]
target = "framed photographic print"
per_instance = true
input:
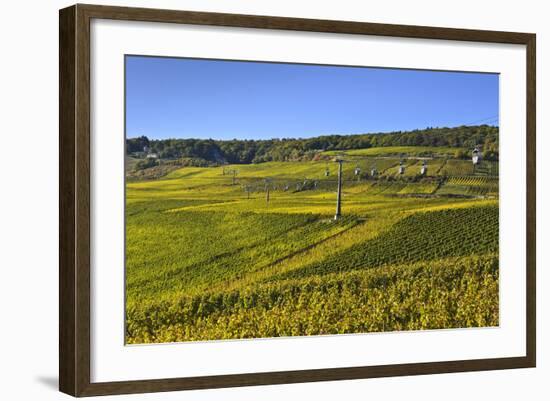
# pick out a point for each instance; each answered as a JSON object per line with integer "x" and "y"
{"x": 250, "y": 200}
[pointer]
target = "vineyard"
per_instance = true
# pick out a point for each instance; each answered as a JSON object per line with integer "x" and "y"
{"x": 447, "y": 293}
{"x": 471, "y": 185}
{"x": 399, "y": 150}
{"x": 422, "y": 236}
{"x": 236, "y": 244}
{"x": 253, "y": 250}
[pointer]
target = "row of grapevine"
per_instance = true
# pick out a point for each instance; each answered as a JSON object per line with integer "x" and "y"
{"x": 457, "y": 167}
{"x": 470, "y": 185}
{"x": 419, "y": 188}
{"x": 456, "y": 292}
{"x": 465, "y": 167}
{"x": 192, "y": 258}
{"x": 487, "y": 168}
{"x": 421, "y": 236}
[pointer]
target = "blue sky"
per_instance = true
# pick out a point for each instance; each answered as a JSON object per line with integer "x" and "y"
{"x": 191, "y": 98}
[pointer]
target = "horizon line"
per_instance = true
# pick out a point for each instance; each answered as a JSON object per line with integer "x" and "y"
{"x": 315, "y": 136}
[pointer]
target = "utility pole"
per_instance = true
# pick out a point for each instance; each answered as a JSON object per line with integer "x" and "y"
{"x": 339, "y": 193}
{"x": 267, "y": 181}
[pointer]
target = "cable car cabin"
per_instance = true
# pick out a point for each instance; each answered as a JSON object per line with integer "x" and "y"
{"x": 373, "y": 172}
{"x": 476, "y": 156}
{"x": 357, "y": 171}
{"x": 424, "y": 169}
{"x": 327, "y": 172}
{"x": 401, "y": 168}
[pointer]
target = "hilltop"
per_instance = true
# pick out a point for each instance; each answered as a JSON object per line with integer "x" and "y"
{"x": 204, "y": 152}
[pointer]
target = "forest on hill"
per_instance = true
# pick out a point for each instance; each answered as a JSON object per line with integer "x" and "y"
{"x": 210, "y": 151}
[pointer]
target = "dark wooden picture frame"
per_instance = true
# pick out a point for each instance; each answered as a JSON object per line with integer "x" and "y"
{"x": 74, "y": 199}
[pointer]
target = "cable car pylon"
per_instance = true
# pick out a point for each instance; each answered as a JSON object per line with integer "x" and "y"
{"x": 338, "y": 213}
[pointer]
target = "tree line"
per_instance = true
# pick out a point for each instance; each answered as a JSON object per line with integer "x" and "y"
{"x": 210, "y": 151}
